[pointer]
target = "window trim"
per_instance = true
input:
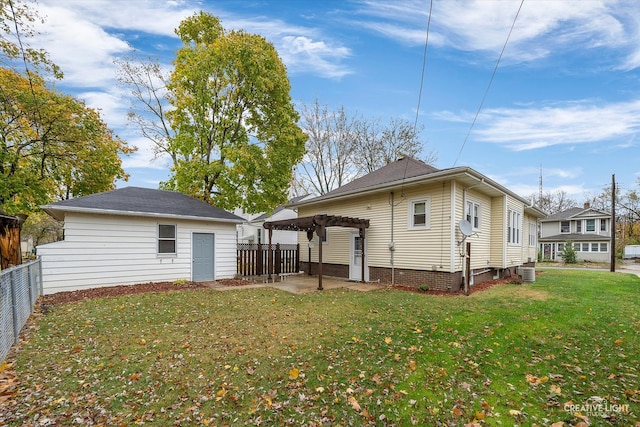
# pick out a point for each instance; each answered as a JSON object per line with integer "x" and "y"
{"x": 164, "y": 239}
{"x": 514, "y": 232}
{"x": 533, "y": 231}
{"x": 476, "y": 216}
{"x": 427, "y": 214}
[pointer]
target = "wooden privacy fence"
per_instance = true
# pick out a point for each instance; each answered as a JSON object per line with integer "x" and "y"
{"x": 253, "y": 259}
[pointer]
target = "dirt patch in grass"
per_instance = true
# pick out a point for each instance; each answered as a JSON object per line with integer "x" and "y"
{"x": 113, "y": 291}
{"x": 474, "y": 289}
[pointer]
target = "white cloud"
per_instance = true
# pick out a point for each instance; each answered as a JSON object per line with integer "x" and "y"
{"x": 542, "y": 29}
{"x": 300, "y": 53}
{"x": 568, "y": 123}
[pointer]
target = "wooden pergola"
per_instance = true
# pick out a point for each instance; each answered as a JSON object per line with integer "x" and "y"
{"x": 317, "y": 224}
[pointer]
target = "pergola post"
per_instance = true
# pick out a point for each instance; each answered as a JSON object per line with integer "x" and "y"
{"x": 269, "y": 255}
{"x": 320, "y": 231}
{"x": 362, "y": 235}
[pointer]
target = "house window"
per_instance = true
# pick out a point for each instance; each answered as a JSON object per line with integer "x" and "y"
{"x": 603, "y": 225}
{"x": 578, "y": 226}
{"x": 513, "y": 227}
{"x": 532, "y": 234}
{"x": 166, "y": 238}
{"x": 565, "y": 227}
{"x": 473, "y": 214}
{"x": 585, "y": 247}
{"x": 576, "y": 247}
{"x": 419, "y": 213}
{"x": 594, "y": 247}
{"x": 591, "y": 225}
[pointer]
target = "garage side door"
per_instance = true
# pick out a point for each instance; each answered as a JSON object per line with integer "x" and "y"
{"x": 203, "y": 257}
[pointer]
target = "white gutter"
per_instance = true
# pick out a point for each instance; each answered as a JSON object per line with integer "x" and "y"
{"x": 54, "y": 210}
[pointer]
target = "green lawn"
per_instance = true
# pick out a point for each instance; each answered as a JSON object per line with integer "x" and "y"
{"x": 532, "y": 354}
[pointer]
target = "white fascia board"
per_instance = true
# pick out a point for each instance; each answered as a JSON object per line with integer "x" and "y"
{"x": 51, "y": 210}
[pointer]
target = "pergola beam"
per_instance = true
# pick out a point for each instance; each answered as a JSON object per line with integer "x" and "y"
{"x": 317, "y": 224}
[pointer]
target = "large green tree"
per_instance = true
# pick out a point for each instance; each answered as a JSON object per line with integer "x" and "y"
{"x": 236, "y": 136}
{"x": 52, "y": 146}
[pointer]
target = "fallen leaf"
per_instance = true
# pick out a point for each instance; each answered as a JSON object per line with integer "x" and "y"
{"x": 294, "y": 373}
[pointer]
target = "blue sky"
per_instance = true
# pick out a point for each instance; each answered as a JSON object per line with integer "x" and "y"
{"x": 565, "y": 98}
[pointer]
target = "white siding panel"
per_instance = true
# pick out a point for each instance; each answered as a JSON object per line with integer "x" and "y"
{"x": 107, "y": 250}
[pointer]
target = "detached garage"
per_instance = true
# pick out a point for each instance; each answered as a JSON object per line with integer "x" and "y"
{"x": 137, "y": 235}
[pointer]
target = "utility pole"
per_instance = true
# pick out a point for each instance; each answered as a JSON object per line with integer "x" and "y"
{"x": 613, "y": 224}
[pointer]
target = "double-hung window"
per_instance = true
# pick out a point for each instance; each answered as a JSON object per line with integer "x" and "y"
{"x": 603, "y": 224}
{"x": 565, "y": 227}
{"x": 513, "y": 227}
{"x": 591, "y": 225}
{"x": 472, "y": 214}
{"x": 166, "y": 238}
{"x": 532, "y": 234}
{"x": 419, "y": 213}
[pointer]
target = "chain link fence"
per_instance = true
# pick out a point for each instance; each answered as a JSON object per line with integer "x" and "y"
{"x": 20, "y": 287}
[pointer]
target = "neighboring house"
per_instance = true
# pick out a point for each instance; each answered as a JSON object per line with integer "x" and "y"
{"x": 588, "y": 229}
{"x": 414, "y": 235}
{"x": 136, "y": 235}
{"x": 252, "y": 230}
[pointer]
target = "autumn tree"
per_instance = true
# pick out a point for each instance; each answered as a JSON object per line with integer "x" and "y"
{"x": 147, "y": 82}
{"x": 16, "y": 28}
{"x": 328, "y": 162}
{"x": 236, "y": 136}
{"x": 553, "y": 202}
{"x": 342, "y": 147}
{"x": 378, "y": 145}
{"x": 52, "y": 146}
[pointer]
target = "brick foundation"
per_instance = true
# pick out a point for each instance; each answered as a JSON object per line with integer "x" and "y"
{"x": 439, "y": 280}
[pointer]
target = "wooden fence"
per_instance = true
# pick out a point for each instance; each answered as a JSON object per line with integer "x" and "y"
{"x": 253, "y": 259}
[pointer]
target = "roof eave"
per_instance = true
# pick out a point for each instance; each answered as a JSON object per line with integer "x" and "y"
{"x": 58, "y": 213}
{"x": 434, "y": 176}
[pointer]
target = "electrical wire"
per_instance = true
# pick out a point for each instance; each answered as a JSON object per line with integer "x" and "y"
{"x": 486, "y": 92}
{"x": 424, "y": 66}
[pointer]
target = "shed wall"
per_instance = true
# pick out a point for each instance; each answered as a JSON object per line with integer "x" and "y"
{"x": 108, "y": 250}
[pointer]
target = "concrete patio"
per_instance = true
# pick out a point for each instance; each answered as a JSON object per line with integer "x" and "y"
{"x": 302, "y": 284}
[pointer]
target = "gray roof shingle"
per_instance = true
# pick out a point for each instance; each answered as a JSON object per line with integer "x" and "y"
{"x": 143, "y": 201}
{"x": 406, "y": 167}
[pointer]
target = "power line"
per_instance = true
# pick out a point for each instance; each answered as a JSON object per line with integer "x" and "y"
{"x": 486, "y": 92}
{"x": 424, "y": 64}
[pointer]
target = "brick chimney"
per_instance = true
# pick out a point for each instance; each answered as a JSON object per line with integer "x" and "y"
{"x": 587, "y": 205}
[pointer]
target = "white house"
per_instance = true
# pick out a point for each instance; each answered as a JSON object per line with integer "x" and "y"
{"x": 588, "y": 229}
{"x": 137, "y": 235}
{"x": 252, "y": 230}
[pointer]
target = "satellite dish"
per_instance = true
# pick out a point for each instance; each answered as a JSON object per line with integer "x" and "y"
{"x": 465, "y": 227}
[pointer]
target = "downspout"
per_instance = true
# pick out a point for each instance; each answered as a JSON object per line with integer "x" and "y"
{"x": 392, "y": 245}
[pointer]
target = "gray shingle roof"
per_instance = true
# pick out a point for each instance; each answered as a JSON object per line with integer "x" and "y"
{"x": 570, "y": 213}
{"x": 403, "y": 168}
{"x": 143, "y": 201}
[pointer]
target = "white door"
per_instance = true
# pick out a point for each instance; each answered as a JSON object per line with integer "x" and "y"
{"x": 355, "y": 263}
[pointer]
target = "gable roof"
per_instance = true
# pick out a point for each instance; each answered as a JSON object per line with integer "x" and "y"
{"x": 572, "y": 213}
{"x": 137, "y": 201}
{"x": 407, "y": 171}
{"x": 403, "y": 168}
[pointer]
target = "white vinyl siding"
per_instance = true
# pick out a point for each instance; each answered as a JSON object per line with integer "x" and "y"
{"x": 108, "y": 250}
{"x": 419, "y": 248}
